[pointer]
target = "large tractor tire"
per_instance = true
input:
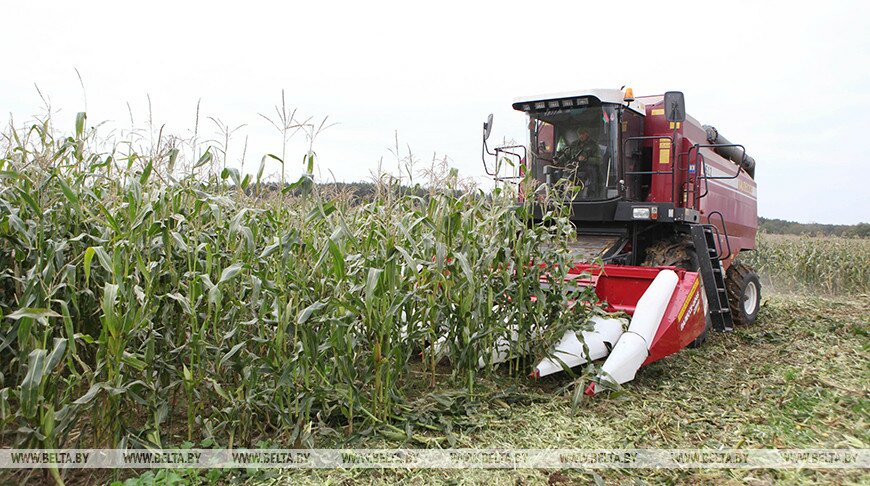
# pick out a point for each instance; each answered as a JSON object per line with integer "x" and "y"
{"x": 676, "y": 252}
{"x": 680, "y": 253}
{"x": 744, "y": 293}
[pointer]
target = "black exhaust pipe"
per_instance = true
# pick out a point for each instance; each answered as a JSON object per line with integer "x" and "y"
{"x": 734, "y": 154}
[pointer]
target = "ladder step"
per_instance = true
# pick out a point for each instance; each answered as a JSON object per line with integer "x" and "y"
{"x": 714, "y": 281}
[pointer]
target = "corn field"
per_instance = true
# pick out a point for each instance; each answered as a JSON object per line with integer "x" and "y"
{"x": 149, "y": 296}
{"x": 819, "y": 264}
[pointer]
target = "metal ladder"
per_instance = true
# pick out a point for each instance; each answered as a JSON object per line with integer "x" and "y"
{"x": 713, "y": 275}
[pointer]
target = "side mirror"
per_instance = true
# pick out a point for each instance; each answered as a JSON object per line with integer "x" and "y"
{"x": 675, "y": 106}
{"x": 487, "y": 127}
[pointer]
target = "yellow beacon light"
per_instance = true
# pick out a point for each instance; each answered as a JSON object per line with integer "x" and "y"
{"x": 629, "y": 95}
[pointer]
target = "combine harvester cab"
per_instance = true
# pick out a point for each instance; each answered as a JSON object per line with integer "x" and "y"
{"x": 668, "y": 312}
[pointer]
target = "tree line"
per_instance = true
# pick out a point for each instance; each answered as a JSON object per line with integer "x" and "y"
{"x": 783, "y": 227}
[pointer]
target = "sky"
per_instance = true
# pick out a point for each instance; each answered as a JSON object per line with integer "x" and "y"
{"x": 788, "y": 80}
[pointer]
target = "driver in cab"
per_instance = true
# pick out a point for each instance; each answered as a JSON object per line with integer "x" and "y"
{"x": 579, "y": 159}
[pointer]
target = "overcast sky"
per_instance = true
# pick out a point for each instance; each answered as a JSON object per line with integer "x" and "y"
{"x": 788, "y": 80}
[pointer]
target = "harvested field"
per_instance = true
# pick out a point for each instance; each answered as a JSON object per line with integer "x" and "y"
{"x": 798, "y": 378}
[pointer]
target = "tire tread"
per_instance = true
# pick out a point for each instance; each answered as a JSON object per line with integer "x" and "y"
{"x": 736, "y": 278}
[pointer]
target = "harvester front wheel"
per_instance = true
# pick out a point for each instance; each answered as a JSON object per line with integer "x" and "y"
{"x": 679, "y": 253}
{"x": 744, "y": 293}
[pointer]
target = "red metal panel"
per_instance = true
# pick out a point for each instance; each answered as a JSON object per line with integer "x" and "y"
{"x": 621, "y": 286}
{"x": 735, "y": 199}
{"x": 684, "y": 319}
{"x": 664, "y": 154}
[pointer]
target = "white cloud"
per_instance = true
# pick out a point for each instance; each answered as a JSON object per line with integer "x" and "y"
{"x": 788, "y": 81}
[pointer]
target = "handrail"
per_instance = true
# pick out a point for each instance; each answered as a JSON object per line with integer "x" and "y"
{"x": 699, "y": 146}
{"x": 719, "y": 236}
{"x": 647, "y": 172}
{"x": 655, "y": 172}
{"x": 699, "y": 176}
{"x": 698, "y": 155}
{"x": 504, "y": 150}
{"x": 684, "y": 186}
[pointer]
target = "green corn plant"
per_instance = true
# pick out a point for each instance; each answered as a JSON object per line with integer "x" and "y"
{"x": 143, "y": 305}
{"x": 820, "y": 264}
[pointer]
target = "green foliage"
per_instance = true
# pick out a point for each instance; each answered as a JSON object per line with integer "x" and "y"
{"x": 783, "y": 227}
{"x": 141, "y": 303}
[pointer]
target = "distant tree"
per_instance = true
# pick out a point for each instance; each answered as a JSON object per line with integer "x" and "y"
{"x": 783, "y": 227}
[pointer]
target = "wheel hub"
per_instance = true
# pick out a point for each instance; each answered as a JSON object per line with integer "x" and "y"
{"x": 750, "y": 298}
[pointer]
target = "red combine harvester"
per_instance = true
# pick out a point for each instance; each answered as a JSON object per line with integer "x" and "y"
{"x": 664, "y": 202}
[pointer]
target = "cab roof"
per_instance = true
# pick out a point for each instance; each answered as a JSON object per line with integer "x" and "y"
{"x": 568, "y": 99}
